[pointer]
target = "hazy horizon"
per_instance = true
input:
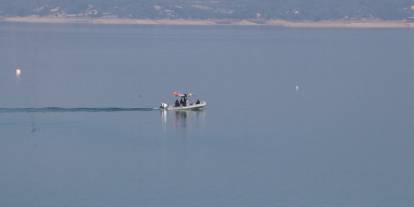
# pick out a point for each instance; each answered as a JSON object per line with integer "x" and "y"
{"x": 220, "y": 9}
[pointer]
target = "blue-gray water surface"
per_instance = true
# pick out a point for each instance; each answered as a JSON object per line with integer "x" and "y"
{"x": 295, "y": 117}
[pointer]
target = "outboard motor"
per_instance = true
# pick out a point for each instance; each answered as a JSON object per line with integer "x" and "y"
{"x": 164, "y": 106}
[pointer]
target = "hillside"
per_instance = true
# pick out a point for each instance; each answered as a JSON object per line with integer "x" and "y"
{"x": 214, "y": 9}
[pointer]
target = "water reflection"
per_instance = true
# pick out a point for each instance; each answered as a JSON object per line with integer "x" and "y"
{"x": 182, "y": 120}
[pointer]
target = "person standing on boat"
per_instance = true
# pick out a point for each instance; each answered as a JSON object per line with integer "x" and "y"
{"x": 185, "y": 99}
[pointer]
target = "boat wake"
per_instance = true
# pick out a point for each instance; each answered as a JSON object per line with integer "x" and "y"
{"x": 80, "y": 109}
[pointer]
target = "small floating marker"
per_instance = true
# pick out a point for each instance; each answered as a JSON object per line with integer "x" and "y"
{"x": 297, "y": 88}
{"x": 18, "y": 72}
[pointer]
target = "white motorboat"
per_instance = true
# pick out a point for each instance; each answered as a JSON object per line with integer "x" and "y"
{"x": 184, "y": 104}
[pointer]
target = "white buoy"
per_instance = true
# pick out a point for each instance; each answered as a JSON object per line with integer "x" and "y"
{"x": 18, "y": 72}
{"x": 297, "y": 88}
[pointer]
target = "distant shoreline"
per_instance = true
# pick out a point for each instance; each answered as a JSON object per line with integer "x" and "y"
{"x": 364, "y": 23}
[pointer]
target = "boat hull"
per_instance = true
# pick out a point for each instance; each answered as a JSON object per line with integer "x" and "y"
{"x": 193, "y": 107}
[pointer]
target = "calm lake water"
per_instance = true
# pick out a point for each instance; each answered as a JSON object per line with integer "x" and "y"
{"x": 295, "y": 117}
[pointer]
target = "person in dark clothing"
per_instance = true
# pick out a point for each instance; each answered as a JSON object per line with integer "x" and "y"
{"x": 177, "y": 103}
{"x": 198, "y": 101}
{"x": 184, "y": 101}
{"x": 181, "y": 102}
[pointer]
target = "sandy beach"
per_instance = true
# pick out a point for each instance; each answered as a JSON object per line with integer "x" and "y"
{"x": 369, "y": 23}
